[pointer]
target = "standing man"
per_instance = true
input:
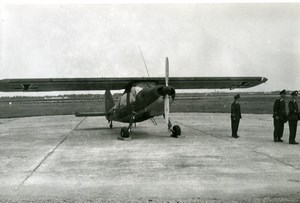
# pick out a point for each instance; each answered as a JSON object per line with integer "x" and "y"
{"x": 293, "y": 117}
{"x": 279, "y": 115}
{"x": 235, "y": 115}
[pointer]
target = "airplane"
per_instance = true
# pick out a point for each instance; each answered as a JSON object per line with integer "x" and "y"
{"x": 143, "y": 98}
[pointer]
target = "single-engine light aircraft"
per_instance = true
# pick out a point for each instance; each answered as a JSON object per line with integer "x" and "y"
{"x": 143, "y": 98}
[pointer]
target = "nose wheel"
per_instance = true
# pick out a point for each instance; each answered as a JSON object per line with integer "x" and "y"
{"x": 176, "y": 131}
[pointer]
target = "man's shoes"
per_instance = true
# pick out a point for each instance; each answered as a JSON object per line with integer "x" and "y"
{"x": 294, "y": 142}
{"x": 278, "y": 140}
{"x": 235, "y": 136}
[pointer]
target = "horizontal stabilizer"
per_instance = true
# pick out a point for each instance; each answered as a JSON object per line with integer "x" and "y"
{"x": 89, "y": 114}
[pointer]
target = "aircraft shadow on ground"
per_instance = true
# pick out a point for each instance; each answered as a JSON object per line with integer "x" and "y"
{"x": 92, "y": 129}
{"x": 137, "y": 134}
{"x": 140, "y": 134}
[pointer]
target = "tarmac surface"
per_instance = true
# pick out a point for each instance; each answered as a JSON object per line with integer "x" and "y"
{"x": 67, "y": 159}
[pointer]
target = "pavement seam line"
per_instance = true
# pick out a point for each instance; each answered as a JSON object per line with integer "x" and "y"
{"x": 49, "y": 153}
{"x": 270, "y": 157}
{"x": 206, "y": 133}
{"x": 252, "y": 150}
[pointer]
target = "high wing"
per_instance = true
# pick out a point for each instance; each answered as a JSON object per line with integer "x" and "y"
{"x": 79, "y": 84}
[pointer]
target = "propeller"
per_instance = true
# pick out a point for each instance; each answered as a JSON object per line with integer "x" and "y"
{"x": 167, "y": 97}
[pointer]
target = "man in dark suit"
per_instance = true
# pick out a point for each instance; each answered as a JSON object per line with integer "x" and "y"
{"x": 279, "y": 115}
{"x": 235, "y": 115}
{"x": 293, "y": 117}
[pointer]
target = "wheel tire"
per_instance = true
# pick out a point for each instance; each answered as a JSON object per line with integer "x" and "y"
{"x": 124, "y": 132}
{"x": 176, "y": 130}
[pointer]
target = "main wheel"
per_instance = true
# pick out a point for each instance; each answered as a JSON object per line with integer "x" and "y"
{"x": 124, "y": 132}
{"x": 176, "y": 131}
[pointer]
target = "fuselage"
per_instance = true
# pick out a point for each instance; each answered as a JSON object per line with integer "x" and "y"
{"x": 145, "y": 100}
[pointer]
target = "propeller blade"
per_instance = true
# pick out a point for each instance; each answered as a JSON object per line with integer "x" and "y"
{"x": 167, "y": 109}
{"x": 167, "y": 97}
{"x": 167, "y": 71}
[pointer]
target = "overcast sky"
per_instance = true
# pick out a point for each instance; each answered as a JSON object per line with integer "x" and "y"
{"x": 199, "y": 39}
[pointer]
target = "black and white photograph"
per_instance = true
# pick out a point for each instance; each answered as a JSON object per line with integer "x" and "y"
{"x": 149, "y": 101}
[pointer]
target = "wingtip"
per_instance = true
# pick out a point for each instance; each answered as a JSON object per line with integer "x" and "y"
{"x": 263, "y": 79}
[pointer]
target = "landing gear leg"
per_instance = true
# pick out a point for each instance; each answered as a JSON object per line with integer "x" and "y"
{"x": 175, "y": 130}
{"x": 110, "y": 124}
{"x": 124, "y": 135}
{"x": 132, "y": 118}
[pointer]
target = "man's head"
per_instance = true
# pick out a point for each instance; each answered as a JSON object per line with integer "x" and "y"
{"x": 294, "y": 94}
{"x": 282, "y": 94}
{"x": 237, "y": 97}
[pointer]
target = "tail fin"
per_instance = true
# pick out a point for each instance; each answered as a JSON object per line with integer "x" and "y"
{"x": 109, "y": 104}
{"x": 109, "y": 101}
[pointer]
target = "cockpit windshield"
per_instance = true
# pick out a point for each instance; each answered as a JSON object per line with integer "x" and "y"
{"x": 123, "y": 100}
{"x": 136, "y": 88}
